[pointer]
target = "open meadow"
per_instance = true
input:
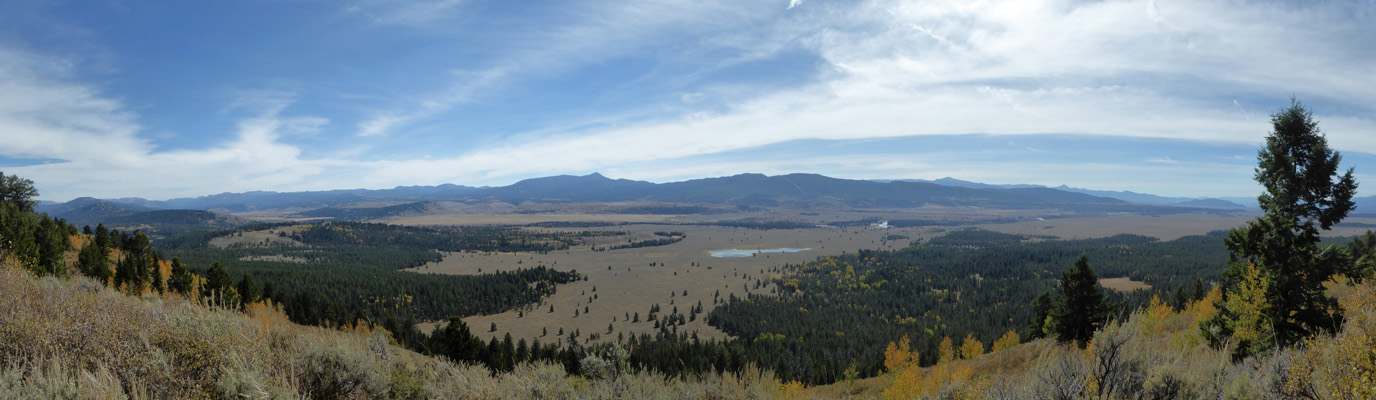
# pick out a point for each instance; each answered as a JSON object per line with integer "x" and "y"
{"x": 625, "y": 282}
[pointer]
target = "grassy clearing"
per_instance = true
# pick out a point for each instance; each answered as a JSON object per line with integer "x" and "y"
{"x": 262, "y": 238}
{"x": 632, "y": 285}
{"x": 1123, "y": 284}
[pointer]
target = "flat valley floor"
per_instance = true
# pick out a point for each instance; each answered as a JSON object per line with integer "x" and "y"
{"x": 626, "y": 282}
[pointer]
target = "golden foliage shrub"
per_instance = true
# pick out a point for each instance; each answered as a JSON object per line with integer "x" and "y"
{"x": 1009, "y": 339}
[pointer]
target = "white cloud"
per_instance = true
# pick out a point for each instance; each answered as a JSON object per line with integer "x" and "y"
{"x": 413, "y": 13}
{"x": 96, "y": 148}
{"x": 379, "y": 125}
{"x": 691, "y": 98}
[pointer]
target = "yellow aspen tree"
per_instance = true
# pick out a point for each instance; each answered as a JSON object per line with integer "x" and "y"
{"x": 907, "y": 384}
{"x": 946, "y": 351}
{"x": 1206, "y": 308}
{"x": 898, "y": 357}
{"x": 1251, "y": 325}
{"x": 793, "y": 390}
{"x": 1157, "y": 312}
{"x": 971, "y": 347}
{"x": 1009, "y": 339}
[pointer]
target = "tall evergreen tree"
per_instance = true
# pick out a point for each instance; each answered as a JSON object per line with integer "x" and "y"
{"x": 1041, "y": 310}
{"x": 457, "y": 342}
{"x": 248, "y": 292}
{"x": 1082, "y": 308}
{"x": 125, "y": 275}
{"x": 522, "y": 351}
{"x": 155, "y": 275}
{"x": 94, "y": 262}
{"x": 1303, "y": 195}
{"x": 103, "y": 237}
{"x": 17, "y": 191}
{"x": 506, "y": 360}
{"x": 217, "y": 284}
{"x": 53, "y": 243}
{"x": 140, "y": 248}
{"x": 268, "y": 292}
{"x": 180, "y": 280}
{"x": 17, "y": 234}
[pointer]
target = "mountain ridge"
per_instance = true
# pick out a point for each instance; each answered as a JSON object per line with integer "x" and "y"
{"x": 796, "y": 190}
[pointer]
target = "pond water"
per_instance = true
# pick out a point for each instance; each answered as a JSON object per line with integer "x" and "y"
{"x": 751, "y": 252}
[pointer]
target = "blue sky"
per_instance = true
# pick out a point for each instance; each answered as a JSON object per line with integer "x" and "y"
{"x": 175, "y": 99}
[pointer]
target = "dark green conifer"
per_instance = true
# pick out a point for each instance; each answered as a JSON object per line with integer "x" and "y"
{"x": 1082, "y": 307}
{"x": 1303, "y": 195}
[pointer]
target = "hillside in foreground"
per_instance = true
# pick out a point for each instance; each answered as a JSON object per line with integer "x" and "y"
{"x": 75, "y": 338}
{"x": 1157, "y": 353}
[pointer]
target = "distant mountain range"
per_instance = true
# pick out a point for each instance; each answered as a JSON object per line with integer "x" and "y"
{"x": 1131, "y": 197}
{"x": 802, "y": 191}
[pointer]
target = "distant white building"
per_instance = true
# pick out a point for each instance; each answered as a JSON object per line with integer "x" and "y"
{"x": 880, "y": 225}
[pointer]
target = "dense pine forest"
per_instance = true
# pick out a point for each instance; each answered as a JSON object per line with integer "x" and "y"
{"x": 345, "y": 272}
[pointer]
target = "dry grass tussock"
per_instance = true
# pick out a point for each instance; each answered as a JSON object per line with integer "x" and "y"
{"x": 1159, "y": 354}
{"x": 77, "y": 339}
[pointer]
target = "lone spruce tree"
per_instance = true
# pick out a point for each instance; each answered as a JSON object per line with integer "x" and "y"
{"x": 1273, "y": 292}
{"x": 180, "y": 281}
{"x": 1082, "y": 308}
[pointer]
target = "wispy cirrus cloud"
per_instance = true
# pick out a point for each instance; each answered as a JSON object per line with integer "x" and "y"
{"x": 46, "y": 116}
{"x": 589, "y": 33}
{"x": 413, "y": 13}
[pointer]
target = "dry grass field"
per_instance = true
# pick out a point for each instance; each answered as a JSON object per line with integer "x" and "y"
{"x": 1123, "y": 284}
{"x": 258, "y": 238}
{"x": 629, "y": 281}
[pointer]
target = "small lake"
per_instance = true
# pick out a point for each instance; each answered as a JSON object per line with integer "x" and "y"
{"x": 747, "y": 253}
